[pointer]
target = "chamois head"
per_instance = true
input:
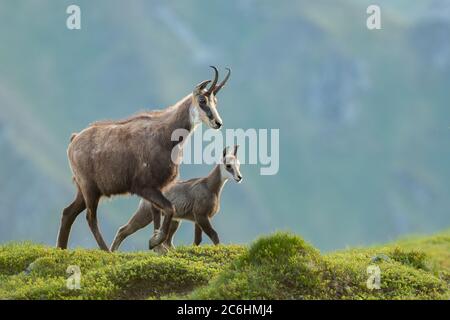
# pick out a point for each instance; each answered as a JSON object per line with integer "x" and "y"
{"x": 230, "y": 164}
{"x": 205, "y": 101}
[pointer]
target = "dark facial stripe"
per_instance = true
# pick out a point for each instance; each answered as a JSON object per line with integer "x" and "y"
{"x": 207, "y": 110}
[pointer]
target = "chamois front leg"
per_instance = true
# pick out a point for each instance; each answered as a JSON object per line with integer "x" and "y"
{"x": 156, "y": 216}
{"x": 173, "y": 228}
{"x": 160, "y": 201}
{"x": 207, "y": 228}
{"x": 198, "y": 235}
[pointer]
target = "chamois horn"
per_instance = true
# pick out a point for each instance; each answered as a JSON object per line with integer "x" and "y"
{"x": 222, "y": 84}
{"x": 216, "y": 78}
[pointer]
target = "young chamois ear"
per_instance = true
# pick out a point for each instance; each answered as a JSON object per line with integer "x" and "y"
{"x": 224, "y": 154}
{"x": 231, "y": 164}
{"x": 236, "y": 147}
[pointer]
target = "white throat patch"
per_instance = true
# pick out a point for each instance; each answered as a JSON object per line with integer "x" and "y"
{"x": 224, "y": 174}
{"x": 194, "y": 116}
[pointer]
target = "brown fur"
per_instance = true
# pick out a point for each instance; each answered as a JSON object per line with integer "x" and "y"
{"x": 126, "y": 156}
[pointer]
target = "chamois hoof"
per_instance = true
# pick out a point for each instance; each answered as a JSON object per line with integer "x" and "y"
{"x": 157, "y": 239}
{"x": 169, "y": 247}
{"x": 161, "y": 249}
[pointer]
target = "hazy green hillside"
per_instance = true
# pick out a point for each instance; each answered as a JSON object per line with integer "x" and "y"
{"x": 279, "y": 266}
{"x": 363, "y": 115}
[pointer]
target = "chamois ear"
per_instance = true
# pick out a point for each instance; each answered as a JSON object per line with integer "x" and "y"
{"x": 236, "y": 147}
{"x": 198, "y": 88}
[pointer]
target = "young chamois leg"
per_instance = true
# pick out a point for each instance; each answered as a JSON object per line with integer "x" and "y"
{"x": 142, "y": 217}
{"x": 198, "y": 235}
{"x": 161, "y": 202}
{"x": 173, "y": 228}
{"x": 207, "y": 228}
{"x": 68, "y": 217}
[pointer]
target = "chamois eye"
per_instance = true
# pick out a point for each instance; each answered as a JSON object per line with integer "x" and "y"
{"x": 228, "y": 166}
{"x": 201, "y": 100}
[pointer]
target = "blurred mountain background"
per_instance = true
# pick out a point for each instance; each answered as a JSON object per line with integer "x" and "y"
{"x": 364, "y": 116}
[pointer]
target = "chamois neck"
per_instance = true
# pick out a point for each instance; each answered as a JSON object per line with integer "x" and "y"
{"x": 215, "y": 180}
{"x": 179, "y": 115}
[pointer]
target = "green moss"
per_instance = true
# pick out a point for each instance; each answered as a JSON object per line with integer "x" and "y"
{"x": 283, "y": 266}
{"x": 30, "y": 271}
{"x": 279, "y": 266}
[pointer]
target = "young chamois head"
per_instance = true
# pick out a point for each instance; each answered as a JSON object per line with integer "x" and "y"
{"x": 229, "y": 167}
{"x": 205, "y": 101}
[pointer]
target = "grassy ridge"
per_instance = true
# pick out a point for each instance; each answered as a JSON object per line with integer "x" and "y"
{"x": 279, "y": 266}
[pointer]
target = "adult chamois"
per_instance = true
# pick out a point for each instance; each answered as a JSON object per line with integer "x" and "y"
{"x": 197, "y": 200}
{"x": 135, "y": 156}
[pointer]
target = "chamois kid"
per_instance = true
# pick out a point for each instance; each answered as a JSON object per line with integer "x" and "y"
{"x": 196, "y": 200}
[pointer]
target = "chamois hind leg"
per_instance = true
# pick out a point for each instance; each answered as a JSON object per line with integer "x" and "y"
{"x": 91, "y": 216}
{"x": 68, "y": 217}
{"x": 205, "y": 224}
{"x": 173, "y": 228}
{"x": 139, "y": 220}
{"x": 160, "y": 201}
{"x": 198, "y": 235}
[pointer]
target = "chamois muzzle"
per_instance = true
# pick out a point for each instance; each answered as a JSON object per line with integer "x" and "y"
{"x": 217, "y": 124}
